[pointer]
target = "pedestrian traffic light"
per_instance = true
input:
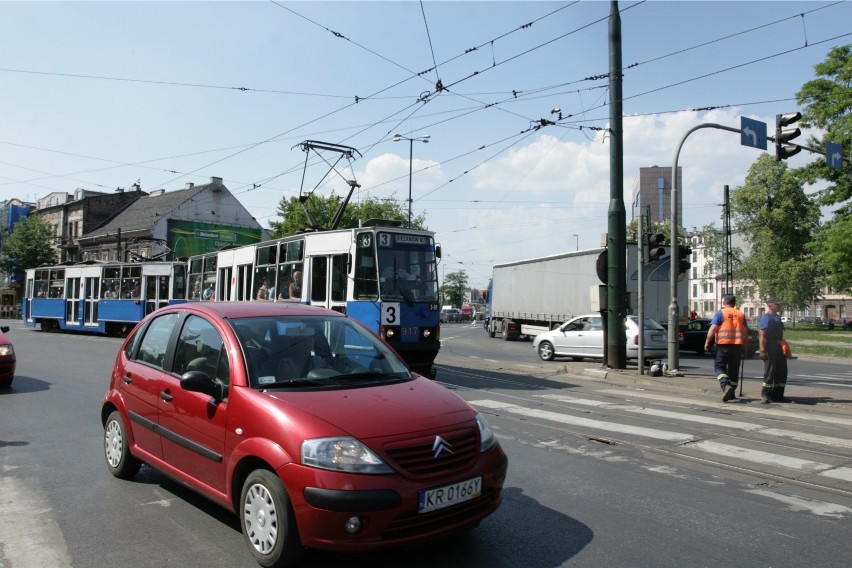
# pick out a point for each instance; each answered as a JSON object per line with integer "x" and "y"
{"x": 655, "y": 246}
{"x": 783, "y": 148}
{"x": 684, "y": 253}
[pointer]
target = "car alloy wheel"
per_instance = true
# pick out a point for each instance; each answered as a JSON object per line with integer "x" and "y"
{"x": 545, "y": 351}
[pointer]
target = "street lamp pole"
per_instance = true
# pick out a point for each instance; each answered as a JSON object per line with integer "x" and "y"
{"x": 425, "y": 140}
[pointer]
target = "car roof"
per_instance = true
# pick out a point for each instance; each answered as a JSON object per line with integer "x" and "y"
{"x": 233, "y": 310}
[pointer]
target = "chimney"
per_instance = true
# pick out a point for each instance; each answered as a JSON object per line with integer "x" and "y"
{"x": 216, "y": 180}
{"x": 189, "y": 185}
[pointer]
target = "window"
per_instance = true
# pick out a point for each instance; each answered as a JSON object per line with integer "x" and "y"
{"x": 152, "y": 348}
{"x": 200, "y": 348}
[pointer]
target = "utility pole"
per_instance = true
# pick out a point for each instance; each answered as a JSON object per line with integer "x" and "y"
{"x": 616, "y": 337}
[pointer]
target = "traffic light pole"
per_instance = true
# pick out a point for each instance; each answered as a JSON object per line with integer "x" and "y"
{"x": 674, "y": 314}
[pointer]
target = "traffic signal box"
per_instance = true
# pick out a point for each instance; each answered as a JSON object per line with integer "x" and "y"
{"x": 684, "y": 254}
{"x": 655, "y": 246}
{"x": 783, "y": 148}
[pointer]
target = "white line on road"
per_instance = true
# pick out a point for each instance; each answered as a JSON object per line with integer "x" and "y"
{"x": 843, "y": 473}
{"x": 758, "y": 456}
{"x": 725, "y": 423}
{"x": 583, "y": 422}
{"x": 795, "y": 503}
{"x": 732, "y": 407}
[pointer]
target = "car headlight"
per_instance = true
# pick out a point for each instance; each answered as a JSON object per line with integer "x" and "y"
{"x": 6, "y": 350}
{"x": 486, "y": 436}
{"x": 342, "y": 454}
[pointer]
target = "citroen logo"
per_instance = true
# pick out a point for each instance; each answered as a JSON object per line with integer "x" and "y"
{"x": 440, "y": 446}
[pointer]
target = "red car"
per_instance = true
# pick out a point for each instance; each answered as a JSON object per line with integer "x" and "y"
{"x": 7, "y": 359}
{"x": 303, "y": 423}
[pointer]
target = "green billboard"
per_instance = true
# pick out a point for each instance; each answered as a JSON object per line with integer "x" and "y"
{"x": 188, "y": 238}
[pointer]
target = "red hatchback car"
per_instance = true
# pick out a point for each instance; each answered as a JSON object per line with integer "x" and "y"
{"x": 7, "y": 359}
{"x": 303, "y": 423}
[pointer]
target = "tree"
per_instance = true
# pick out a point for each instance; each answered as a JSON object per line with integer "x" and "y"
{"x": 455, "y": 283}
{"x": 827, "y": 105}
{"x": 293, "y": 219}
{"x": 29, "y": 245}
{"x": 778, "y": 220}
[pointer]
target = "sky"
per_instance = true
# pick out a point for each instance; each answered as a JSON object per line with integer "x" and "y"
{"x": 100, "y": 95}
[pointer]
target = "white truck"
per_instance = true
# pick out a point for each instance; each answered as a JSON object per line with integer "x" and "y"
{"x": 529, "y": 297}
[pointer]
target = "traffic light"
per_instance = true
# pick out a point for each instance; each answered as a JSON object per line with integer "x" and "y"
{"x": 655, "y": 246}
{"x": 783, "y": 148}
{"x": 684, "y": 254}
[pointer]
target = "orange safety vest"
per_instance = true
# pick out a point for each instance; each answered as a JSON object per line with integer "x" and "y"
{"x": 732, "y": 331}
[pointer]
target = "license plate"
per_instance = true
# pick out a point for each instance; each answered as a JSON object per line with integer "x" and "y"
{"x": 448, "y": 495}
{"x": 656, "y": 337}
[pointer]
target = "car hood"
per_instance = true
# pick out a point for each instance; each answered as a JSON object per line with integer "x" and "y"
{"x": 369, "y": 412}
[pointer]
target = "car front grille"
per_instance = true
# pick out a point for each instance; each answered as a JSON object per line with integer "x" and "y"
{"x": 416, "y": 456}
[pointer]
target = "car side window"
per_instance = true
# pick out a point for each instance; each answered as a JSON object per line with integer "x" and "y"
{"x": 200, "y": 348}
{"x": 155, "y": 342}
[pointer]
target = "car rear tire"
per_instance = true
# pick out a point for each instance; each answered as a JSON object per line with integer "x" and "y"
{"x": 120, "y": 461}
{"x": 268, "y": 522}
{"x": 545, "y": 351}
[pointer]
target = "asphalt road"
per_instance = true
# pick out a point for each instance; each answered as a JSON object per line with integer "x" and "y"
{"x": 608, "y": 471}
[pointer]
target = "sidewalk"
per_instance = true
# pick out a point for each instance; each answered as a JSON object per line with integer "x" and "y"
{"x": 689, "y": 382}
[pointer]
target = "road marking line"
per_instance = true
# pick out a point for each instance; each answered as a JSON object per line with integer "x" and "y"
{"x": 733, "y": 407}
{"x": 584, "y": 422}
{"x": 843, "y": 473}
{"x": 747, "y": 426}
{"x": 758, "y": 456}
{"x": 820, "y": 508}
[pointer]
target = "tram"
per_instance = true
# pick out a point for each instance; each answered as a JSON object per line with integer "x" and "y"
{"x": 100, "y": 297}
{"x": 380, "y": 274}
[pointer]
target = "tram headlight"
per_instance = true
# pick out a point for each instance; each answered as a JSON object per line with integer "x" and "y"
{"x": 427, "y": 333}
{"x": 390, "y": 333}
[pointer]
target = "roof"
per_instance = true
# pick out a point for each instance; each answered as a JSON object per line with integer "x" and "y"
{"x": 144, "y": 213}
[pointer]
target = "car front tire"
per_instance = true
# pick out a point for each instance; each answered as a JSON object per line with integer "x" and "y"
{"x": 268, "y": 522}
{"x": 545, "y": 351}
{"x": 117, "y": 448}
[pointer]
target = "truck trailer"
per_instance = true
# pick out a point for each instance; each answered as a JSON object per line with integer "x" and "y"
{"x": 529, "y": 297}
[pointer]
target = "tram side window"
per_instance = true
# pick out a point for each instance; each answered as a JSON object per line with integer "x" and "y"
{"x": 131, "y": 279}
{"x": 264, "y": 283}
{"x": 42, "y": 279}
{"x": 290, "y": 281}
{"x": 111, "y": 283}
{"x": 338, "y": 277}
{"x": 179, "y": 282}
{"x": 195, "y": 286}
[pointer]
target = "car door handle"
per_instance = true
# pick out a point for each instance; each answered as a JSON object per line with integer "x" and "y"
{"x": 128, "y": 379}
{"x": 166, "y": 395}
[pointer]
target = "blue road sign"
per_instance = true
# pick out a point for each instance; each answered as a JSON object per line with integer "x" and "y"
{"x": 752, "y": 133}
{"x": 834, "y": 155}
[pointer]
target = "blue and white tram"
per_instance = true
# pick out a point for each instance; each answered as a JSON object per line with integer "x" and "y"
{"x": 107, "y": 298}
{"x": 384, "y": 277}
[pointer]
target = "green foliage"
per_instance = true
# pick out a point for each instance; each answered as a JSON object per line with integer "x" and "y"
{"x": 455, "y": 283}
{"x": 294, "y": 220}
{"x": 29, "y": 245}
{"x": 778, "y": 219}
{"x": 827, "y": 105}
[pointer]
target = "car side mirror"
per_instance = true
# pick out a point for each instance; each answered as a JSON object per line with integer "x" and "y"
{"x": 4, "y": 329}
{"x": 199, "y": 381}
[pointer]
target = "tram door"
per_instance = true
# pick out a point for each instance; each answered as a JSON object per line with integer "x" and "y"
{"x": 72, "y": 298}
{"x": 82, "y": 292}
{"x": 243, "y": 282}
{"x": 91, "y": 295}
{"x": 156, "y": 292}
{"x": 329, "y": 281}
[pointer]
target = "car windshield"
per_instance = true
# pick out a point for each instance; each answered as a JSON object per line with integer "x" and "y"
{"x": 311, "y": 351}
{"x": 649, "y": 323}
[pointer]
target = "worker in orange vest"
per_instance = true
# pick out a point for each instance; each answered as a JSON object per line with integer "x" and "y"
{"x": 729, "y": 331}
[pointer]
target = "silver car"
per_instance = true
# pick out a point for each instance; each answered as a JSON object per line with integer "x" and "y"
{"x": 583, "y": 337}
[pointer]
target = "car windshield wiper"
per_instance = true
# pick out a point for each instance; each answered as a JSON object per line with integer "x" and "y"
{"x": 299, "y": 382}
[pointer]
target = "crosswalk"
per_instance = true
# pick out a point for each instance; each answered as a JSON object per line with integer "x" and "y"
{"x": 794, "y": 444}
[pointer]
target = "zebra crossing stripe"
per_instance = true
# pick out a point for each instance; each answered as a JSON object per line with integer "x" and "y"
{"x": 709, "y": 420}
{"x": 761, "y": 457}
{"x": 583, "y": 422}
{"x": 733, "y": 407}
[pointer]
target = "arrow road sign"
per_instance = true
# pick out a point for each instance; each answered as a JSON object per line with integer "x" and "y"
{"x": 752, "y": 133}
{"x": 834, "y": 155}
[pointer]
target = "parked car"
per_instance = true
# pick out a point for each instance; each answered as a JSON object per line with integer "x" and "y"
{"x": 303, "y": 423}
{"x": 695, "y": 336}
{"x": 7, "y": 359}
{"x": 583, "y": 337}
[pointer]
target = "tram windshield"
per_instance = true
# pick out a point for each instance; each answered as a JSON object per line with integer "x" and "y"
{"x": 406, "y": 266}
